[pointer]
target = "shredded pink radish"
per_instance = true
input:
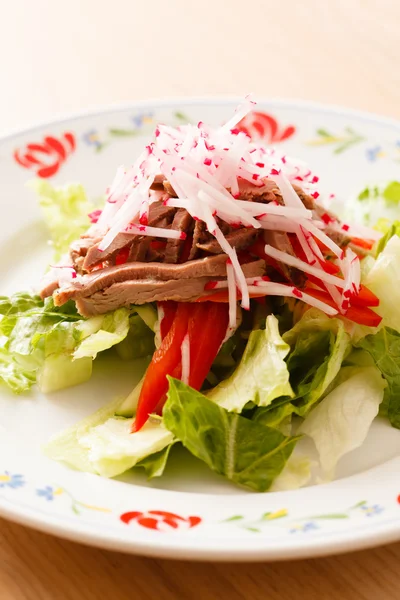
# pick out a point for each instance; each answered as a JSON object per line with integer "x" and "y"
{"x": 171, "y": 234}
{"x": 185, "y": 352}
{"x": 208, "y": 168}
{"x": 359, "y": 231}
{"x": 280, "y": 289}
{"x": 310, "y": 226}
{"x": 232, "y": 296}
{"x": 293, "y": 261}
{"x": 304, "y": 243}
{"x": 240, "y": 113}
{"x": 289, "y": 196}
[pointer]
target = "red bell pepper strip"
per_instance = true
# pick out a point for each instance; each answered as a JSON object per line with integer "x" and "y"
{"x": 169, "y": 309}
{"x": 165, "y": 359}
{"x": 358, "y": 314}
{"x": 208, "y": 324}
{"x": 364, "y": 298}
{"x": 366, "y": 244}
{"x": 223, "y": 296}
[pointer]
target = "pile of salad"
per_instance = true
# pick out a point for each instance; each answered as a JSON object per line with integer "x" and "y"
{"x": 271, "y": 325}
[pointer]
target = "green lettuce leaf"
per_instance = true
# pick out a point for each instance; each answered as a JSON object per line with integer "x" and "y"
{"x": 382, "y": 279}
{"x": 261, "y": 375}
{"x": 52, "y": 345}
{"x": 104, "y": 444}
{"x": 65, "y": 212}
{"x": 384, "y": 348}
{"x": 154, "y": 464}
{"x": 247, "y": 453}
{"x": 340, "y": 422}
{"x": 319, "y": 346}
{"x": 102, "y": 332}
{"x": 17, "y": 372}
{"x": 372, "y": 204}
{"x": 138, "y": 342}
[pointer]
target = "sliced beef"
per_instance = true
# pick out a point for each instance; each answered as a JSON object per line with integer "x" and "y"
{"x": 139, "y": 248}
{"x": 47, "y": 289}
{"x": 182, "y": 222}
{"x": 238, "y": 238}
{"x": 141, "y": 292}
{"x": 199, "y": 236}
{"x": 214, "y": 266}
{"x": 158, "y": 182}
{"x": 78, "y": 250}
{"x": 95, "y": 256}
{"x": 306, "y": 199}
{"x": 169, "y": 189}
{"x": 210, "y": 268}
{"x": 157, "y": 212}
{"x": 152, "y": 290}
{"x": 269, "y": 192}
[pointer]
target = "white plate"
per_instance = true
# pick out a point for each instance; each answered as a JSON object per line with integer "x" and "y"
{"x": 209, "y": 519}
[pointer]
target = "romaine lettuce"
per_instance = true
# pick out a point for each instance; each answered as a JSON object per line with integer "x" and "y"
{"x": 103, "y": 444}
{"x": 247, "y": 453}
{"x": 384, "y": 348}
{"x": 383, "y": 279}
{"x": 261, "y": 375}
{"x": 319, "y": 346}
{"x": 65, "y": 211}
{"x": 340, "y": 422}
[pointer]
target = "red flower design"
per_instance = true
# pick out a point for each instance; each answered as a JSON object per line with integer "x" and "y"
{"x": 160, "y": 520}
{"x": 262, "y": 126}
{"x": 47, "y": 157}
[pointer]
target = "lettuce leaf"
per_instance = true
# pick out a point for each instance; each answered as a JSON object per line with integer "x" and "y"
{"x": 103, "y": 444}
{"x": 340, "y": 422}
{"x": 53, "y": 346}
{"x": 247, "y": 453}
{"x": 261, "y": 375}
{"x": 372, "y": 203}
{"x": 102, "y": 332}
{"x": 65, "y": 212}
{"x": 154, "y": 464}
{"x": 319, "y": 346}
{"x": 138, "y": 342}
{"x": 384, "y": 348}
{"x": 382, "y": 279}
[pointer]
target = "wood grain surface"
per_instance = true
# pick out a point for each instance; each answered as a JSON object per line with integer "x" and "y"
{"x": 57, "y": 57}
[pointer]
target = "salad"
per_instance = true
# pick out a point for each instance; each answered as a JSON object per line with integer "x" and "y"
{"x": 271, "y": 325}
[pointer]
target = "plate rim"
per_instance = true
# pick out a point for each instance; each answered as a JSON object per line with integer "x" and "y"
{"x": 101, "y": 110}
{"x": 86, "y": 533}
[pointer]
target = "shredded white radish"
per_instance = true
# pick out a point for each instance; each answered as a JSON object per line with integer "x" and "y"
{"x": 289, "y": 195}
{"x": 310, "y": 226}
{"x": 172, "y": 234}
{"x": 280, "y": 289}
{"x": 293, "y": 261}
{"x": 305, "y": 245}
{"x": 208, "y": 169}
{"x": 232, "y": 296}
{"x": 185, "y": 352}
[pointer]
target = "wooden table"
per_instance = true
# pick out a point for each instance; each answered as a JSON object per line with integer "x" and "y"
{"x": 58, "y": 57}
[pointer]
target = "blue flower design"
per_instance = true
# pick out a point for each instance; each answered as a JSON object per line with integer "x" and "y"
{"x": 374, "y": 153}
{"x": 304, "y": 527}
{"x": 47, "y": 492}
{"x": 142, "y": 119}
{"x": 372, "y": 510}
{"x": 10, "y": 480}
{"x": 91, "y": 138}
